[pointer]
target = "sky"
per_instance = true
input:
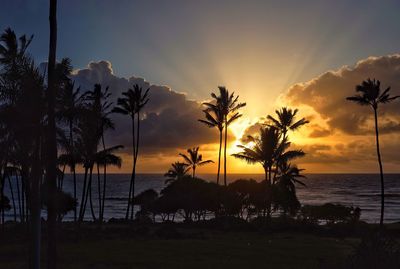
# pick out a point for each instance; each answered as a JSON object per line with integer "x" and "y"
{"x": 303, "y": 54}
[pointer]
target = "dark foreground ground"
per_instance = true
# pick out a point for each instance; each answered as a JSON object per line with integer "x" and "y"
{"x": 182, "y": 246}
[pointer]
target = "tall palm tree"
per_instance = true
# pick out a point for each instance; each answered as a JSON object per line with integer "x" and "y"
{"x": 177, "y": 171}
{"x": 369, "y": 94}
{"x": 229, "y": 106}
{"x": 215, "y": 119}
{"x": 268, "y": 150}
{"x": 286, "y": 120}
{"x": 131, "y": 104}
{"x": 102, "y": 107}
{"x": 194, "y": 159}
{"x": 22, "y": 103}
{"x": 51, "y": 171}
{"x": 69, "y": 104}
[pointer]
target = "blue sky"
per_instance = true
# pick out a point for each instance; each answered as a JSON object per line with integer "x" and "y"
{"x": 193, "y": 45}
{"x": 259, "y": 49}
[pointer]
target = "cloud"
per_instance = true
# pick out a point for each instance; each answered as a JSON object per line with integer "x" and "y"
{"x": 170, "y": 119}
{"x": 326, "y": 95}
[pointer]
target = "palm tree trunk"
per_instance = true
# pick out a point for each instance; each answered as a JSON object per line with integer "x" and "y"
{"x": 75, "y": 197}
{"x": 226, "y": 138}
{"x": 2, "y": 197}
{"x": 194, "y": 171}
{"x": 131, "y": 185}
{"x": 219, "y": 155}
{"x": 35, "y": 206}
{"x": 104, "y": 184}
{"x": 99, "y": 190}
{"x": 12, "y": 197}
{"x": 134, "y": 164}
{"x": 380, "y": 168}
{"x": 51, "y": 142}
{"x": 83, "y": 198}
{"x": 90, "y": 193}
{"x": 18, "y": 196}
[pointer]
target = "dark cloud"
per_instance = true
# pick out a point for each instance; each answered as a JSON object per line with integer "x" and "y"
{"x": 326, "y": 95}
{"x": 170, "y": 119}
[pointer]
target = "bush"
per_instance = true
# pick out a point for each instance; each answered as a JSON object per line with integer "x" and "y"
{"x": 330, "y": 213}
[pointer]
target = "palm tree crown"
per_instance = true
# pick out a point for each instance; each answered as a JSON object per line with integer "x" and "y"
{"x": 369, "y": 93}
{"x": 194, "y": 159}
{"x": 132, "y": 102}
{"x": 268, "y": 150}
{"x": 287, "y": 120}
{"x": 177, "y": 171}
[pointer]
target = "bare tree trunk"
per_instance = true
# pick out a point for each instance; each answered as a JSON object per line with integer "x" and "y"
{"x": 104, "y": 184}
{"x": 99, "y": 190}
{"x": 82, "y": 207}
{"x": 219, "y": 155}
{"x": 18, "y": 196}
{"x": 90, "y": 193}
{"x": 131, "y": 185}
{"x": 134, "y": 164}
{"x": 226, "y": 138}
{"x": 35, "y": 207}
{"x": 380, "y": 168}
{"x": 12, "y": 197}
{"x": 51, "y": 142}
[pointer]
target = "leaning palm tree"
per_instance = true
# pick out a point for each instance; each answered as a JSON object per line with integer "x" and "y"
{"x": 286, "y": 120}
{"x": 215, "y": 119}
{"x": 131, "y": 104}
{"x": 229, "y": 106}
{"x": 369, "y": 94}
{"x": 194, "y": 159}
{"x": 177, "y": 171}
{"x": 268, "y": 150}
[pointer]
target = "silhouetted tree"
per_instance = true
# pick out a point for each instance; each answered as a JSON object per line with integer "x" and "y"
{"x": 177, "y": 171}
{"x": 286, "y": 120}
{"x": 229, "y": 106}
{"x": 194, "y": 159}
{"x": 68, "y": 108}
{"x": 268, "y": 150}
{"x": 102, "y": 108}
{"x": 131, "y": 104}
{"x": 51, "y": 168}
{"x": 215, "y": 119}
{"x": 369, "y": 94}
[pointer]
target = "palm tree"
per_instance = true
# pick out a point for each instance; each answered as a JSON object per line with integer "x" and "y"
{"x": 69, "y": 106}
{"x": 51, "y": 171}
{"x": 369, "y": 94}
{"x": 194, "y": 159}
{"x": 286, "y": 120}
{"x": 229, "y": 106}
{"x": 268, "y": 150}
{"x": 101, "y": 106}
{"x": 177, "y": 171}
{"x": 215, "y": 119}
{"x": 103, "y": 158}
{"x": 131, "y": 104}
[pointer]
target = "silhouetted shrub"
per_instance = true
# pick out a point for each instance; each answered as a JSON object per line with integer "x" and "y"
{"x": 5, "y": 203}
{"x": 330, "y": 213}
{"x": 64, "y": 202}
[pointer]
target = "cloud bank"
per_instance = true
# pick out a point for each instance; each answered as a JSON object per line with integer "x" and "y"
{"x": 170, "y": 119}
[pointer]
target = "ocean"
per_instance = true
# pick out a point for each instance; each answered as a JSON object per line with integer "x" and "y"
{"x": 361, "y": 190}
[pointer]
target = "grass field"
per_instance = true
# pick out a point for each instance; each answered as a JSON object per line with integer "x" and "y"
{"x": 192, "y": 249}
